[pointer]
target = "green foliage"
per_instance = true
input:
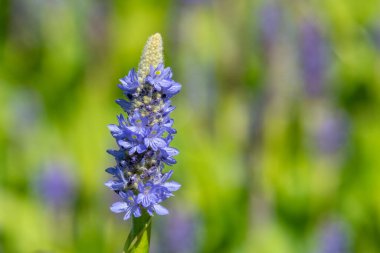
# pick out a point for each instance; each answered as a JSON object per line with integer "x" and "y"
{"x": 254, "y": 178}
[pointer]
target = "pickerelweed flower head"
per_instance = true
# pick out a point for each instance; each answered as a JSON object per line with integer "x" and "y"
{"x": 144, "y": 138}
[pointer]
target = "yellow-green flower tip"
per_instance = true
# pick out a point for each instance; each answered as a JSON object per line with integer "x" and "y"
{"x": 152, "y": 55}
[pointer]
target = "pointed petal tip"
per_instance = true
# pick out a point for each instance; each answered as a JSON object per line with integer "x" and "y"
{"x": 160, "y": 210}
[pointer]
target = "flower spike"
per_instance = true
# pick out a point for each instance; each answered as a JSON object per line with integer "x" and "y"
{"x": 144, "y": 137}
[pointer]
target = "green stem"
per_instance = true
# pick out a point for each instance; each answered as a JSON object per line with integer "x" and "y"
{"x": 139, "y": 238}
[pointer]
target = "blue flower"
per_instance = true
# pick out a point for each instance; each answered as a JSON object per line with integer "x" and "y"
{"x": 133, "y": 143}
{"x": 167, "y": 126}
{"x": 148, "y": 194}
{"x": 128, "y": 205}
{"x": 149, "y": 197}
{"x": 167, "y": 154}
{"x": 125, "y": 105}
{"x": 167, "y": 108}
{"x": 137, "y": 123}
{"x": 174, "y": 89}
{"x": 119, "y": 182}
{"x": 120, "y": 131}
{"x": 153, "y": 138}
{"x": 160, "y": 77}
{"x": 130, "y": 82}
{"x": 170, "y": 186}
{"x": 118, "y": 154}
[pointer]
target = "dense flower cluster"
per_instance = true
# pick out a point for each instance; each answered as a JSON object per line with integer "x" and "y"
{"x": 143, "y": 140}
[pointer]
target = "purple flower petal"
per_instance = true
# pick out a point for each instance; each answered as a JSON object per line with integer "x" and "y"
{"x": 154, "y": 143}
{"x": 124, "y": 144}
{"x": 160, "y": 210}
{"x": 119, "y": 207}
{"x": 174, "y": 89}
{"x": 172, "y": 186}
{"x": 128, "y": 213}
{"x": 137, "y": 212}
{"x": 171, "y": 151}
{"x": 113, "y": 185}
{"x": 115, "y": 130}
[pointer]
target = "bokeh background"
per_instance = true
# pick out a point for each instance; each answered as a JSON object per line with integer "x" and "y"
{"x": 278, "y": 123}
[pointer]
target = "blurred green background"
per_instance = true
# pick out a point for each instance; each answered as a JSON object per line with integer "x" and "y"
{"x": 278, "y": 123}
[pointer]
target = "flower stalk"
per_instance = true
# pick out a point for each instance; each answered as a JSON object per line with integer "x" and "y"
{"x": 138, "y": 240}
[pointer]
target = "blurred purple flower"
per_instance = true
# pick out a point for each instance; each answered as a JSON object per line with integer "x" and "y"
{"x": 333, "y": 239}
{"x": 195, "y": 1}
{"x": 374, "y": 33}
{"x": 312, "y": 57}
{"x": 182, "y": 234}
{"x": 270, "y": 22}
{"x": 56, "y": 187}
{"x": 179, "y": 234}
{"x": 96, "y": 26}
{"x": 332, "y": 133}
